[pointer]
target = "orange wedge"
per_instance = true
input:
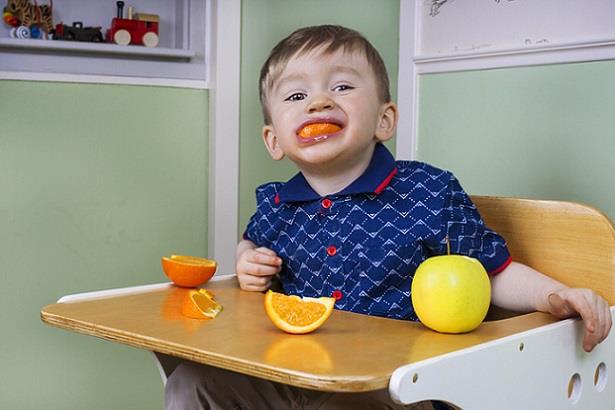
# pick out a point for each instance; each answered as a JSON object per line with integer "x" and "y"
{"x": 296, "y": 315}
{"x": 199, "y": 304}
{"x": 188, "y": 271}
{"x": 316, "y": 129}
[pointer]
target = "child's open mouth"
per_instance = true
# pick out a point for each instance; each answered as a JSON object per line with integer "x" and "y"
{"x": 318, "y": 131}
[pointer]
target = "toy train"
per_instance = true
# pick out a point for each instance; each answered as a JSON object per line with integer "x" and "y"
{"x": 77, "y": 32}
{"x": 140, "y": 30}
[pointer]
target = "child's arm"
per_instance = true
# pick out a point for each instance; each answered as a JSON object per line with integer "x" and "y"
{"x": 256, "y": 266}
{"x": 521, "y": 288}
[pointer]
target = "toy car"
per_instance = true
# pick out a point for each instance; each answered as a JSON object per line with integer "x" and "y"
{"x": 77, "y": 32}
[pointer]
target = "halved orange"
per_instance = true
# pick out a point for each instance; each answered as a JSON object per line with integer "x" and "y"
{"x": 199, "y": 304}
{"x": 188, "y": 271}
{"x": 296, "y": 315}
{"x": 313, "y": 130}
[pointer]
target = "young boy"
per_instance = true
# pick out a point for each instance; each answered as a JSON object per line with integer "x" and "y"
{"x": 354, "y": 223}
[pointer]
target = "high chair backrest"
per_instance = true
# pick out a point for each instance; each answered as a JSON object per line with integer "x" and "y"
{"x": 570, "y": 242}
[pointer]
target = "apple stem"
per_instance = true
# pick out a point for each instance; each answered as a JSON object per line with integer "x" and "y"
{"x": 448, "y": 246}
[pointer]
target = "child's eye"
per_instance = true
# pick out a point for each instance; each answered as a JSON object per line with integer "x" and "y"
{"x": 343, "y": 87}
{"x": 296, "y": 97}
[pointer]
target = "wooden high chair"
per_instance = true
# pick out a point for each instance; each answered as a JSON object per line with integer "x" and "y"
{"x": 528, "y": 361}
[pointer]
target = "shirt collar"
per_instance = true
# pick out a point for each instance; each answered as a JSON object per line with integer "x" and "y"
{"x": 376, "y": 177}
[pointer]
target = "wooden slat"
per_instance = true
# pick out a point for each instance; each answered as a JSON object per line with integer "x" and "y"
{"x": 570, "y": 242}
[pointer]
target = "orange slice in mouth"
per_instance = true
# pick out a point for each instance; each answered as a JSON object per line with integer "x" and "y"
{"x": 317, "y": 129}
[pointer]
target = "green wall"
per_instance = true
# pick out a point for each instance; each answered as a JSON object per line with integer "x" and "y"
{"x": 263, "y": 25}
{"x": 537, "y": 132}
{"x": 97, "y": 182}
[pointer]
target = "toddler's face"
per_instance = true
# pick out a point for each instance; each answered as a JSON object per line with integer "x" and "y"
{"x": 338, "y": 89}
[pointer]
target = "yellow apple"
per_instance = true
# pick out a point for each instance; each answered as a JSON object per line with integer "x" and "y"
{"x": 451, "y": 293}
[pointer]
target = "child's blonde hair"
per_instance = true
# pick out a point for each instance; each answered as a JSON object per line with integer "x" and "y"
{"x": 309, "y": 38}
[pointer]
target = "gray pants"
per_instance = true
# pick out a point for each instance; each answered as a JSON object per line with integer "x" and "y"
{"x": 195, "y": 386}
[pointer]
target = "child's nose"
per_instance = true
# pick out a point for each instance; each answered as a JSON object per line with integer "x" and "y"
{"x": 320, "y": 103}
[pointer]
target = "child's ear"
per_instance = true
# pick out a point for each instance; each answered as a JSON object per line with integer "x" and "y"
{"x": 387, "y": 121}
{"x": 271, "y": 142}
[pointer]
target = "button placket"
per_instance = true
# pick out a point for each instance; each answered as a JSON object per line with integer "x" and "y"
{"x": 332, "y": 246}
{"x": 324, "y": 207}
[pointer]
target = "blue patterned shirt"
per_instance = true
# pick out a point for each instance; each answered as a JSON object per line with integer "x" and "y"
{"x": 363, "y": 244}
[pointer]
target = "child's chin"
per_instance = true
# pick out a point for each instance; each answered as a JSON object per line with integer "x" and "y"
{"x": 317, "y": 157}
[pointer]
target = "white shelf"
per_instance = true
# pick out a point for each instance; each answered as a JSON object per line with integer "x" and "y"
{"x": 95, "y": 48}
{"x": 182, "y": 58}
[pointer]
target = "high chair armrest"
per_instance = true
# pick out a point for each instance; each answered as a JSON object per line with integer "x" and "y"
{"x": 98, "y": 294}
{"x": 542, "y": 368}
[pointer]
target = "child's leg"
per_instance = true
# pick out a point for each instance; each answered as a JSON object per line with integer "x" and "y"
{"x": 195, "y": 386}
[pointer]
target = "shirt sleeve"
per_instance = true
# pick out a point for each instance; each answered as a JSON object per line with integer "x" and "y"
{"x": 252, "y": 232}
{"x": 467, "y": 233}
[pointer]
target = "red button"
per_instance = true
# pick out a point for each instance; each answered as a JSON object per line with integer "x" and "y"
{"x": 336, "y": 294}
{"x": 331, "y": 250}
{"x": 326, "y": 203}
{"x": 277, "y": 199}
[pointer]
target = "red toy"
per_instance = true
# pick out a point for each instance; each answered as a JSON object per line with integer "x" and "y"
{"x": 143, "y": 30}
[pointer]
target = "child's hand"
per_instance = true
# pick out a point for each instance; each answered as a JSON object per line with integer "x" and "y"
{"x": 256, "y": 267}
{"x": 592, "y": 308}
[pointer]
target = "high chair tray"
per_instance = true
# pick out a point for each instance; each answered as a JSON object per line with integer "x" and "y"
{"x": 350, "y": 353}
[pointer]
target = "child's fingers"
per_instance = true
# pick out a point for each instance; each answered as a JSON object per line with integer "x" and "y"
{"x": 254, "y": 283}
{"x": 264, "y": 250}
{"x": 257, "y": 269}
{"x": 560, "y": 307}
{"x": 568, "y": 307}
{"x": 264, "y": 256}
{"x": 604, "y": 319}
{"x": 589, "y": 311}
{"x": 609, "y": 321}
{"x": 597, "y": 328}
{"x": 245, "y": 267}
{"x": 590, "y": 319}
{"x": 592, "y": 308}
{"x": 591, "y": 339}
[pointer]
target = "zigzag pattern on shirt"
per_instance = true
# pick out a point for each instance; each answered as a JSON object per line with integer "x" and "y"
{"x": 379, "y": 240}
